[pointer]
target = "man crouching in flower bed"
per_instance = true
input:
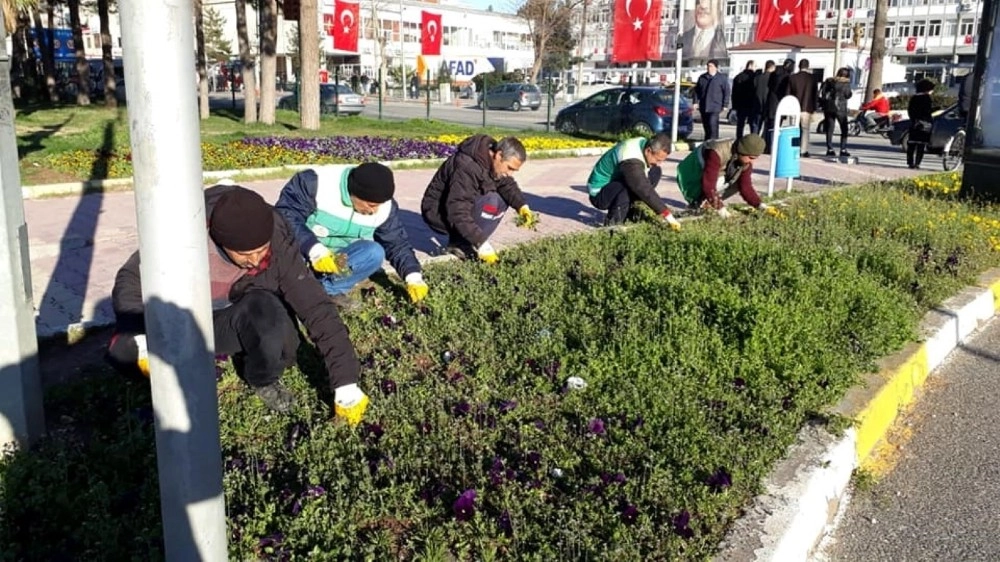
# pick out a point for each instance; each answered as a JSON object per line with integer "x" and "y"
{"x": 256, "y": 276}
{"x": 627, "y": 173}
{"x": 717, "y": 170}
{"x": 470, "y": 193}
{"x": 349, "y": 210}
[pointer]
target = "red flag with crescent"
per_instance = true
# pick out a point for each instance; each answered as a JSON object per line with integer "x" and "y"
{"x": 430, "y": 33}
{"x": 343, "y": 24}
{"x": 780, "y": 18}
{"x": 637, "y": 31}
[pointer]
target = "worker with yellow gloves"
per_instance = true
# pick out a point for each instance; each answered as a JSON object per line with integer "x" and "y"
{"x": 346, "y": 224}
{"x": 719, "y": 169}
{"x": 628, "y": 172}
{"x": 261, "y": 291}
{"x": 471, "y": 192}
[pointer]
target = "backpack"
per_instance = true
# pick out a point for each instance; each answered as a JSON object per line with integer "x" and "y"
{"x": 828, "y": 95}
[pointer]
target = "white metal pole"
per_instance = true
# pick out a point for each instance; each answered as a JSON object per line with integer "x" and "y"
{"x": 21, "y": 415}
{"x": 402, "y": 56}
{"x": 677, "y": 72}
{"x": 157, "y": 36}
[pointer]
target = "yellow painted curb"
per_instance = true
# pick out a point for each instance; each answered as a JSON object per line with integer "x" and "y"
{"x": 995, "y": 289}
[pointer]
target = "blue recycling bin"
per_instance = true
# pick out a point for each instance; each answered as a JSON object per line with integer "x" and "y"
{"x": 788, "y": 153}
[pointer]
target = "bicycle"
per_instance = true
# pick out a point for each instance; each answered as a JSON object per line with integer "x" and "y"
{"x": 954, "y": 151}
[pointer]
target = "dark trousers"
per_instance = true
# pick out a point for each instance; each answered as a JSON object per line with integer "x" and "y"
{"x": 710, "y": 123}
{"x": 486, "y": 213}
{"x": 616, "y": 198}
{"x": 768, "y": 132}
{"x": 831, "y": 119}
{"x": 744, "y": 118}
{"x": 914, "y": 154}
{"x": 257, "y": 331}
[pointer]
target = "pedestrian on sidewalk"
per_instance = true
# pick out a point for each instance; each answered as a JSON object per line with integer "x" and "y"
{"x": 258, "y": 280}
{"x": 921, "y": 113}
{"x": 719, "y": 169}
{"x": 629, "y": 172}
{"x": 802, "y": 85}
{"x": 777, "y": 88}
{"x": 470, "y": 193}
{"x": 744, "y": 95}
{"x": 346, "y": 223}
{"x": 834, "y": 95}
{"x": 712, "y": 95}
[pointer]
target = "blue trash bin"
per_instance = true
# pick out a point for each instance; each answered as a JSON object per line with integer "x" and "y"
{"x": 788, "y": 153}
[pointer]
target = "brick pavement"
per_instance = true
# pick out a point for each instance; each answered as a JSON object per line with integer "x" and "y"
{"x": 78, "y": 243}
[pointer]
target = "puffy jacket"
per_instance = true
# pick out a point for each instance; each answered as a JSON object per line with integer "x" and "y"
{"x": 834, "y": 93}
{"x": 879, "y": 105}
{"x": 712, "y": 92}
{"x": 286, "y": 275}
{"x": 317, "y": 206}
{"x": 449, "y": 202}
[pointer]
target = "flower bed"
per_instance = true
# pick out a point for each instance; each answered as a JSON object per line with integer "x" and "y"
{"x": 602, "y": 396}
{"x": 266, "y": 152}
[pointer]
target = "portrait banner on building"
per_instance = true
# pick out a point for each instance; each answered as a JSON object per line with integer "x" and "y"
{"x": 781, "y": 18}
{"x": 636, "y": 30}
{"x": 342, "y": 25}
{"x": 704, "y": 31}
{"x": 430, "y": 33}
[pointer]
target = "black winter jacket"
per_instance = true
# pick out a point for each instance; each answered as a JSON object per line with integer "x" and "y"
{"x": 760, "y": 92}
{"x": 743, "y": 91}
{"x": 834, "y": 95}
{"x": 286, "y": 275}
{"x": 449, "y": 202}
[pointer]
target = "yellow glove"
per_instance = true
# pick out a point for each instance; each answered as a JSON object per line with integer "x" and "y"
{"x": 350, "y": 403}
{"x": 672, "y": 221}
{"x": 416, "y": 287}
{"x": 323, "y": 261}
{"x": 143, "y": 361}
{"x": 528, "y": 219}
{"x": 772, "y": 211}
{"x": 487, "y": 253}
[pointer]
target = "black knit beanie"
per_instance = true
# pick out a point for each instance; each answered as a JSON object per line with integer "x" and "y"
{"x": 371, "y": 182}
{"x": 241, "y": 220}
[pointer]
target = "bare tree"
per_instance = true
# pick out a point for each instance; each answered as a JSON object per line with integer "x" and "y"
{"x": 49, "y": 93}
{"x": 379, "y": 36}
{"x": 82, "y": 66}
{"x": 268, "y": 58}
{"x": 248, "y": 63}
{"x": 110, "y": 84}
{"x": 200, "y": 63}
{"x": 545, "y": 18}
{"x": 878, "y": 48}
{"x": 309, "y": 64}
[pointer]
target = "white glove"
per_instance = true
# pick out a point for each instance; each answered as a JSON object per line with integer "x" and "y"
{"x": 763, "y": 207}
{"x": 724, "y": 213}
{"x": 347, "y": 395}
{"x": 487, "y": 253}
{"x": 672, "y": 221}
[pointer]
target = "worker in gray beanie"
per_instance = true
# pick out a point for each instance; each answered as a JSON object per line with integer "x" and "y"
{"x": 258, "y": 281}
{"x": 718, "y": 169}
{"x": 346, "y": 223}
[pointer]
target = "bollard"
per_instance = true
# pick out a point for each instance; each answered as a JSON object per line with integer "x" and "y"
{"x": 336, "y": 93}
{"x": 548, "y": 106}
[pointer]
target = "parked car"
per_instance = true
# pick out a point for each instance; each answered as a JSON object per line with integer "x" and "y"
{"x": 512, "y": 96}
{"x": 643, "y": 109}
{"x": 333, "y": 98}
{"x": 946, "y": 123}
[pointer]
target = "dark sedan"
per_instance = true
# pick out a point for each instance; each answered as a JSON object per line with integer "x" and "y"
{"x": 946, "y": 123}
{"x": 333, "y": 98}
{"x": 642, "y": 109}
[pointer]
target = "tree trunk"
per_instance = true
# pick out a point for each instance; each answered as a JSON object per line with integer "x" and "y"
{"x": 20, "y": 67}
{"x": 878, "y": 48}
{"x": 82, "y": 66}
{"x": 268, "y": 59}
{"x": 309, "y": 63}
{"x": 541, "y": 38}
{"x": 48, "y": 93}
{"x": 247, "y": 61}
{"x": 110, "y": 84}
{"x": 200, "y": 64}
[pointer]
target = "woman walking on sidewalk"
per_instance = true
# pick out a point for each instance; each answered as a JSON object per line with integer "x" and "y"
{"x": 921, "y": 114}
{"x": 833, "y": 96}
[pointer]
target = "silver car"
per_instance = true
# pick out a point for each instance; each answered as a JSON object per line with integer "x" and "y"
{"x": 338, "y": 98}
{"x": 513, "y": 97}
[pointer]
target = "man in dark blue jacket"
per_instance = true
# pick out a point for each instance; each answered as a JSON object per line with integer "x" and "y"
{"x": 346, "y": 223}
{"x": 712, "y": 94}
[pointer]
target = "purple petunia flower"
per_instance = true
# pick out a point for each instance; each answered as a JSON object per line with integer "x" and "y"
{"x": 409, "y": 338}
{"x": 315, "y": 491}
{"x": 629, "y": 513}
{"x": 739, "y": 383}
{"x": 388, "y": 320}
{"x": 388, "y": 386}
{"x": 596, "y": 426}
{"x": 505, "y": 524}
{"x": 465, "y": 505}
{"x": 719, "y": 480}
{"x": 681, "y": 523}
{"x": 431, "y": 492}
{"x": 271, "y": 540}
{"x": 534, "y": 459}
{"x": 373, "y": 433}
{"x": 461, "y": 409}
{"x": 297, "y": 507}
{"x": 540, "y": 425}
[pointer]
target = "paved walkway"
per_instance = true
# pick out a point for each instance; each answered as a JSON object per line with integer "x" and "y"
{"x": 78, "y": 243}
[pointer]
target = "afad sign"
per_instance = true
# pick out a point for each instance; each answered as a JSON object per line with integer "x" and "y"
{"x": 465, "y": 69}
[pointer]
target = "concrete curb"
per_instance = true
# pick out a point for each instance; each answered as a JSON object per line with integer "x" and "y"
{"x": 804, "y": 492}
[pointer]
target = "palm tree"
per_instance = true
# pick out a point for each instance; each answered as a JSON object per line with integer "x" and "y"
{"x": 268, "y": 58}
{"x": 247, "y": 62}
{"x": 309, "y": 64}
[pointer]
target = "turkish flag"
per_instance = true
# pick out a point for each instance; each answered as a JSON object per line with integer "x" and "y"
{"x": 430, "y": 33}
{"x": 780, "y": 18}
{"x": 911, "y": 44}
{"x": 637, "y": 31}
{"x": 343, "y": 24}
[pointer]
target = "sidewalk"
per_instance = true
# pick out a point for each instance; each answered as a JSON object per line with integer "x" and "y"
{"x": 78, "y": 243}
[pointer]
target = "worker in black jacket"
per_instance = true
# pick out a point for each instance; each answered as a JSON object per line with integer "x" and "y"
{"x": 470, "y": 193}
{"x": 257, "y": 276}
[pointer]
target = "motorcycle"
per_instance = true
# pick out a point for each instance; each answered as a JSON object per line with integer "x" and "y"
{"x": 858, "y": 125}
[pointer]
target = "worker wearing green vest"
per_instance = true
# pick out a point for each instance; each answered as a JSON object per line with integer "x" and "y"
{"x": 717, "y": 170}
{"x": 629, "y": 172}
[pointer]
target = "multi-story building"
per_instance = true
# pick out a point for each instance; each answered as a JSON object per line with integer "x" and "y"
{"x": 928, "y": 36}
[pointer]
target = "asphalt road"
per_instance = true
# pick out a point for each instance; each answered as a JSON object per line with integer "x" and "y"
{"x": 866, "y": 148}
{"x": 942, "y": 500}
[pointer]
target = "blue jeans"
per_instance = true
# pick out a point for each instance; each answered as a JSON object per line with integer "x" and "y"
{"x": 364, "y": 257}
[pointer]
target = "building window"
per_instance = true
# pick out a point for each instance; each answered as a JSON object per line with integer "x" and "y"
{"x": 731, "y": 8}
{"x": 919, "y": 28}
{"x": 967, "y": 27}
{"x": 904, "y": 29}
{"x": 934, "y": 28}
